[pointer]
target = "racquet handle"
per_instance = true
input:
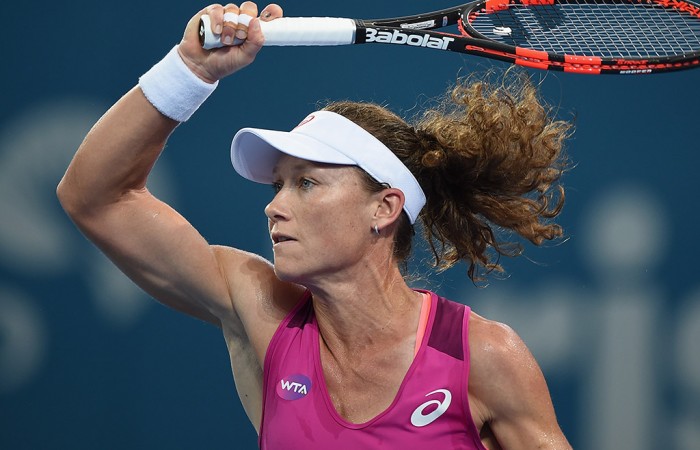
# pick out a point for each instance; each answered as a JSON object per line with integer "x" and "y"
{"x": 291, "y": 31}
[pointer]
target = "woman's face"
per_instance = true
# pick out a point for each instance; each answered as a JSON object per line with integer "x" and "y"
{"x": 320, "y": 220}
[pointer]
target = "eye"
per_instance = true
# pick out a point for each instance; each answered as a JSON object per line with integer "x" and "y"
{"x": 305, "y": 183}
{"x": 276, "y": 187}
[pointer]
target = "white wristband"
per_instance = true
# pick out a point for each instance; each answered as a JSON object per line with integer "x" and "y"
{"x": 173, "y": 88}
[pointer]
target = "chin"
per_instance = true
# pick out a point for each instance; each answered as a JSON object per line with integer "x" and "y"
{"x": 284, "y": 273}
{"x": 292, "y": 272}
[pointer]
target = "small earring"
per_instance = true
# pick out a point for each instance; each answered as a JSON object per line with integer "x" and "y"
{"x": 376, "y": 229}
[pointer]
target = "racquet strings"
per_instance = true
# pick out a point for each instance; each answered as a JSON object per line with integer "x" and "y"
{"x": 603, "y": 28}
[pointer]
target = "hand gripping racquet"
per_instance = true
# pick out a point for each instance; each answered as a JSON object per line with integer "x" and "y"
{"x": 581, "y": 36}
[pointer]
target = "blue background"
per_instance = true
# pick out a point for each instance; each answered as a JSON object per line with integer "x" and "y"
{"x": 87, "y": 361}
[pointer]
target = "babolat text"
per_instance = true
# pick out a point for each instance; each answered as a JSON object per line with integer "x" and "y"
{"x": 399, "y": 37}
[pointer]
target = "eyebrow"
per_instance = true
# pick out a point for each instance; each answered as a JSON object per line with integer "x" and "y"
{"x": 303, "y": 165}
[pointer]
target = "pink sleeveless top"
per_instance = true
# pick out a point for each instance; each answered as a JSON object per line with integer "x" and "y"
{"x": 430, "y": 411}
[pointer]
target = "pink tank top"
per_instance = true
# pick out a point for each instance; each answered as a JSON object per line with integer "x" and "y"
{"x": 431, "y": 408}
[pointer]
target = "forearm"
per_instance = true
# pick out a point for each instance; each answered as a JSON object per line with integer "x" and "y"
{"x": 116, "y": 156}
{"x": 104, "y": 192}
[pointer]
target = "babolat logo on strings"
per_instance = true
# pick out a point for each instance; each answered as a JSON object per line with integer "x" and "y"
{"x": 399, "y": 37}
{"x": 294, "y": 387}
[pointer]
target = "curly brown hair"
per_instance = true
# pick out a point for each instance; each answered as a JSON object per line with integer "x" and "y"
{"x": 489, "y": 158}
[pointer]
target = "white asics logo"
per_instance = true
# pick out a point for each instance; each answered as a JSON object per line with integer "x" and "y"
{"x": 418, "y": 419}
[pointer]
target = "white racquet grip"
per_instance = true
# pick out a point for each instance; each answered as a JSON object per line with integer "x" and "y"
{"x": 290, "y": 31}
{"x": 173, "y": 89}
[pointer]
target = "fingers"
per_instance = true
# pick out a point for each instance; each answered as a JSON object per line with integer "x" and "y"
{"x": 230, "y": 23}
{"x": 233, "y": 23}
{"x": 249, "y": 10}
{"x": 216, "y": 14}
{"x": 271, "y": 12}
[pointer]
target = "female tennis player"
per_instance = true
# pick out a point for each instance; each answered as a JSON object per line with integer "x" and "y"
{"x": 330, "y": 348}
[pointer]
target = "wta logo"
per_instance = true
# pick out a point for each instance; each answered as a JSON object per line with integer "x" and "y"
{"x": 294, "y": 387}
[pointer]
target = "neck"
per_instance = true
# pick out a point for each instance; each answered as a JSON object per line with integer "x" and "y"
{"x": 376, "y": 310}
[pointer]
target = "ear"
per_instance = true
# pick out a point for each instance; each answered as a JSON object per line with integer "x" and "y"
{"x": 390, "y": 207}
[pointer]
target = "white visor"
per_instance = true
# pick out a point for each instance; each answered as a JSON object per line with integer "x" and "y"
{"x": 325, "y": 137}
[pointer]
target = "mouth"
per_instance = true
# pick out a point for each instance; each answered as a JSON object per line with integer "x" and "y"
{"x": 278, "y": 238}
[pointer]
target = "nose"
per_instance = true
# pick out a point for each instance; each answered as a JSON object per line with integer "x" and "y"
{"x": 275, "y": 210}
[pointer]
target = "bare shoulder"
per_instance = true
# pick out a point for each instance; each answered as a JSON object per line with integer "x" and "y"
{"x": 507, "y": 389}
{"x": 499, "y": 361}
{"x": 260, "y": 299}
{"x": 253, "y": 284}
{"x": 496, "y": 347}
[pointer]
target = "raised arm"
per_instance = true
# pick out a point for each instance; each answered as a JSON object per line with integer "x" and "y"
{"x": 104, "y": 189}
{"x": 508, "y": 394}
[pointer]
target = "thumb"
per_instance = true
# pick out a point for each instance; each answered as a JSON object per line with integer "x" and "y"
{"x": 255, "y": 40}
{"x": 255, "y": 34}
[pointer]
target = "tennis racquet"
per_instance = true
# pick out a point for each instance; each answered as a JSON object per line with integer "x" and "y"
{"x": 581, "y": 36}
